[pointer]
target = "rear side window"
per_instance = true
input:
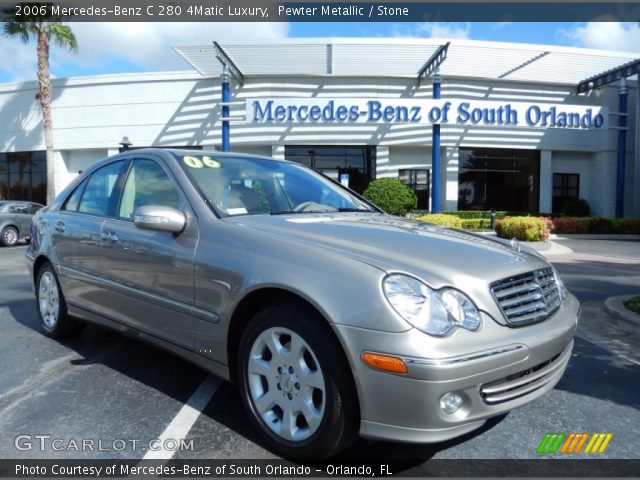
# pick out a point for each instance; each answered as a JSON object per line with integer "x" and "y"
{"x": 147, "y": 184}
{"x": 74, "y": 199}
{"x": 97, "y": 194}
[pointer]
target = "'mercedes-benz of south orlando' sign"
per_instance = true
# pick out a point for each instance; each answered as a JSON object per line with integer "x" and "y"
{"x": 448, "y": 111}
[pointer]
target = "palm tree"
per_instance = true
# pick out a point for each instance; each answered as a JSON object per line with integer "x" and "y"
{"x": 44, "y": 29}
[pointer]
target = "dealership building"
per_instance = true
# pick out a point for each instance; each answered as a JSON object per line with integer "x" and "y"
{"x": 468, "y": 125}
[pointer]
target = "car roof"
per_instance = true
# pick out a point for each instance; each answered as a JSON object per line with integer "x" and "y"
{"x": 195, "y": 152}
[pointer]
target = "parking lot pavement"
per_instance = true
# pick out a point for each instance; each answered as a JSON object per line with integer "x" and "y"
{"x": 104, "y": 387}
{"x": 599, "y": 266}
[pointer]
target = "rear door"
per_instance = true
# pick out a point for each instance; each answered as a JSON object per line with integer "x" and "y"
{"x": 150, "y": 273}
{"x": 75, "y": 235}
{"x": 22, "y": 217}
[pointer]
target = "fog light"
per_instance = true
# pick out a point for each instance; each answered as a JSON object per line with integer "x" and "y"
{"x": 450, "y": 403}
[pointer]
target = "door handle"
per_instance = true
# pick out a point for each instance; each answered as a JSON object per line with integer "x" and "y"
{"x": 109, "y": 237}
{"x": 59, "y": 227}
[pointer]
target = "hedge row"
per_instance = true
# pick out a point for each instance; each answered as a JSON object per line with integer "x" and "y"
{"x": 443, "y": 219}
{"x": 452, "y": 221}
{"x": 596, "y": 225}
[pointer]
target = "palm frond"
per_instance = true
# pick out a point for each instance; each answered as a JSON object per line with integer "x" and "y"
{"x": 62, "y": 35}
{"x": 22, "y": 30}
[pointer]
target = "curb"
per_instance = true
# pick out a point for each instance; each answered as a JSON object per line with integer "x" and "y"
{"x": 556, "y": 249}
{"x": 625, "y": 319}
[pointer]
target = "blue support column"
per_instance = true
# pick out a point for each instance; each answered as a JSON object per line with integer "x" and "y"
{"x": 435, "y": 151}
{"x": 623, "y": 93}
{"x": 226, "y": 98}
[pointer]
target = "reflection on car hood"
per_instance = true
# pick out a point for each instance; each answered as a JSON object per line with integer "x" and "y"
{"x": 438, "y": 255}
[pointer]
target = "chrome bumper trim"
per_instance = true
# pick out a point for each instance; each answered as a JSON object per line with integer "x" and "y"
{"x": 463, "y": 358}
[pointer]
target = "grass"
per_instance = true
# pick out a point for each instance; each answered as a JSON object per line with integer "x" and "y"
{"x": 633, "y": 304}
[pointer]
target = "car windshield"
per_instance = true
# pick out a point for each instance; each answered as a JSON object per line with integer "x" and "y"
{"x": 4, "y": 206}
{"x": 250, "y": 186}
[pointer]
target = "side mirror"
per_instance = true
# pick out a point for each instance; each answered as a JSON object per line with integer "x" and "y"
{"x": 162, "y": 219}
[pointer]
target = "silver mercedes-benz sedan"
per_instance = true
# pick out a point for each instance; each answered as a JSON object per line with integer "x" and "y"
{"x": 15, "y": 218}
{"x": 334, "y": 318}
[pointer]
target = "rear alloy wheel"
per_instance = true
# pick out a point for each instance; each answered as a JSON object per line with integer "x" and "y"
{"x": 52, "y": 307}
{"x": 9, "y": 236}
{"x": 296, "y": 384}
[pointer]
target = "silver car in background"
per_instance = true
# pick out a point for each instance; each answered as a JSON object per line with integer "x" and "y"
{"x": 334, "y": 318}
{"x": 15, "y": 220}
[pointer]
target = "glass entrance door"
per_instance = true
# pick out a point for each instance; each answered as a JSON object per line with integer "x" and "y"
{"x": 333, "y": 161}
{"x": 499, "y": 179}
{"x": 417, "y": 179}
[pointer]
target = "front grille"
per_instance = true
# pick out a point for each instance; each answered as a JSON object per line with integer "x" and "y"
{"x": 525, "y": 382}
{"x": 527, "y": 298}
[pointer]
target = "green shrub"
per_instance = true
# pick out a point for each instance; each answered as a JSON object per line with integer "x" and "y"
{"x": 528, "y": 229}
{"x": 633, "y": 304}
{"x": 442, "y": 219}
{"x": 575, "y": 207}
{"x": 391, "y": 195}
{"x": 476, "y": 224}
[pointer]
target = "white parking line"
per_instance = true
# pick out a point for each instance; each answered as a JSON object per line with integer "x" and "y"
{"x": 186, "y": 417}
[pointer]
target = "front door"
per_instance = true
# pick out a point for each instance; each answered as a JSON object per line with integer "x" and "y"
{"x": 150, "y": 273}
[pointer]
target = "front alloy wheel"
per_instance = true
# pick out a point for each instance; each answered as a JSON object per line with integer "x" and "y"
{"x": 286, "y": 384}
{"x": 296, "y": 383}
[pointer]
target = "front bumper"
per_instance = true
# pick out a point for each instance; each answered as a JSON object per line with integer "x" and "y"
{"x": 503, "y": 368}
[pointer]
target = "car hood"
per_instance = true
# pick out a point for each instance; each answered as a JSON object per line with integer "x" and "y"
{"x": 439, "y": 256}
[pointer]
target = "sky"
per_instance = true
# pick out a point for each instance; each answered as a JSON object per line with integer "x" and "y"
{"x": 106, "y": 48}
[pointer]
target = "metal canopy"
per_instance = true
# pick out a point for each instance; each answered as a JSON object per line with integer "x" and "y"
{"x": 434, "y": 62}
{"x": 224, "y": 59}
{"x": 369, "y": 57}
{"x": 610, "y": 76}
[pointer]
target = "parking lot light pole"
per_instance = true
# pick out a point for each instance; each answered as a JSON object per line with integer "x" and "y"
{"x": 226, "y": 98}
{"x": 623, "y": 93}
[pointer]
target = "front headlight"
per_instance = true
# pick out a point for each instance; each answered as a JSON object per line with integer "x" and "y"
{"x": 562, "y": 290}
{"x": 434, "y": 312}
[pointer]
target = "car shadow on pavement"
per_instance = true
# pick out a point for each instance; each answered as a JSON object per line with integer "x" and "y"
{"x": 137, "y": 360}
{"x": 605, "y": 372}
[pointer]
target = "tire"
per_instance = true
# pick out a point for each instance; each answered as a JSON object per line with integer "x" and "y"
{"x": 312, "y": 388}
{"x": 9, "y": 236}
{"x": 52, "y": 307}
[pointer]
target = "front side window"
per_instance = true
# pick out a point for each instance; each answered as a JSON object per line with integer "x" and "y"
{"x": 245, "y": 185}
{"x": 97, "y": 194}
{"x": 147, "y": 184}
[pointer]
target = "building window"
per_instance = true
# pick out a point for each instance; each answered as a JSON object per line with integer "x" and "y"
{"x": 566, "y": 186}
{"x": 499, "y": 179}
{"x": 23, "y": 176}
{"x": 333, "y": 161}
{"x": 418, "y": 181}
